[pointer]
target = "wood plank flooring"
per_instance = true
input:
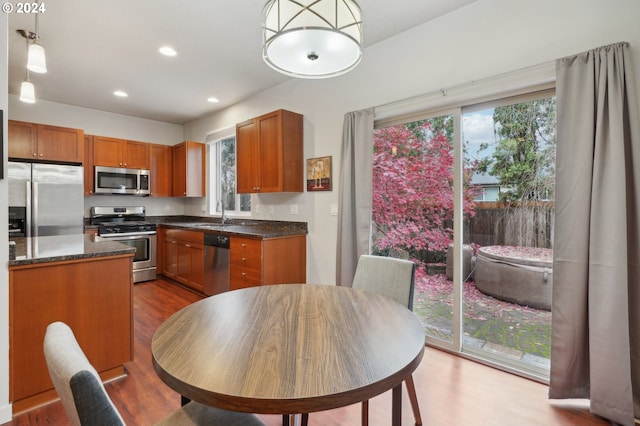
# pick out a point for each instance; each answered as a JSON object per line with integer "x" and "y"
{"x": 451, "y": 390}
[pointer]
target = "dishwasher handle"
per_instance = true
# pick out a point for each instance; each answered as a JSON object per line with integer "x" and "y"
{"x": 216, "y": 240}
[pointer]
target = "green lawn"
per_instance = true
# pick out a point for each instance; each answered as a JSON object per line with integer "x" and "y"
{"x": 502, "y": 323}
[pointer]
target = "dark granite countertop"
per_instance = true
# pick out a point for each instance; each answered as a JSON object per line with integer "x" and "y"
{"x": 259, "y": 229}
{"x": 32, "y": 250}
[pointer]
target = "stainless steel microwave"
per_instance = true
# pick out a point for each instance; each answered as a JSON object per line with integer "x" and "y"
{"x": 112, "y": 180}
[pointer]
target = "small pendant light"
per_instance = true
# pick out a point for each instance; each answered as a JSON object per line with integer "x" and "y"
{"x": 27, "y": 91}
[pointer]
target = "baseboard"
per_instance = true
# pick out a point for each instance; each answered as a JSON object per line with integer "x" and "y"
{"x": 5, "y": 413}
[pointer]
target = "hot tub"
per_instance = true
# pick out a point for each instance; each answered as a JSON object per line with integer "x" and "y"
{"x": 522, "y": 275}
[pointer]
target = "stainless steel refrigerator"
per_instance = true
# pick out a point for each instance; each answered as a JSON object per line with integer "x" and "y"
{"x": 45, "y": 199}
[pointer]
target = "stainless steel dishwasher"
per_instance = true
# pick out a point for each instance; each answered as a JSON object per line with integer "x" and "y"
{"x": 216, "y": 264}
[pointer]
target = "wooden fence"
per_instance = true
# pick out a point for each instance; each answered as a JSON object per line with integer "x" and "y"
{"x": 516, "y": 224}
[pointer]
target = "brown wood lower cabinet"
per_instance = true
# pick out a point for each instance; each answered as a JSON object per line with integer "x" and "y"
{"x": 183, "y": 257}
{"x": 253, "y": 261}
{"x": 270, "y": 261}
{"x": 93, "y": 296}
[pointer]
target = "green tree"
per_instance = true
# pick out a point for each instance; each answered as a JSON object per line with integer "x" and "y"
{"x": 524, "y": 156}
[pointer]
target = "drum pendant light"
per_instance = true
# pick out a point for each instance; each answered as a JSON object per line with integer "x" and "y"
{"x": 312, "y": 38}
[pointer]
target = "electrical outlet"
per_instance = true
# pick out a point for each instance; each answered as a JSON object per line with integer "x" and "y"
{"x": 258, "y": 208}
{"x": 271, "y": 209}
{"x": 293, "y": 209}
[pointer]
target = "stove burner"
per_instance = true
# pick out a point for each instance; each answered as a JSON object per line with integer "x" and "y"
{"x": 121, "y": 220}
{"x": 109, "y": 228}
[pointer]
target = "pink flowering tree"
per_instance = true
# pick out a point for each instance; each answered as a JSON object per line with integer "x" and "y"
{"x": 413, "y": 189}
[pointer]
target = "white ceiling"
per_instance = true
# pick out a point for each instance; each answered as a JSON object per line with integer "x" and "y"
{"x": 96, "y": 47}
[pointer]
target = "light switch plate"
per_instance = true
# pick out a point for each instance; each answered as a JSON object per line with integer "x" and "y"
{"x": 293, "y": 209}
{"x": 334, "y": 210}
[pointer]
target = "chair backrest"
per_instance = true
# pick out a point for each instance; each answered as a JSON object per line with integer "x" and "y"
{"x": 387, "y": 276}
{"x": 78, "y": 384}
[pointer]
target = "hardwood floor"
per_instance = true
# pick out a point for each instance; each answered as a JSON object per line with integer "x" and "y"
{"x": 451, "y": 390}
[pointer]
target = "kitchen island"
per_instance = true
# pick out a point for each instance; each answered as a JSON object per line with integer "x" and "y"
{"x": 77, "y": 280}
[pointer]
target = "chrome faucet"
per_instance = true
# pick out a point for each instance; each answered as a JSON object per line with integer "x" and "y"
{"x": 220, "y": 205}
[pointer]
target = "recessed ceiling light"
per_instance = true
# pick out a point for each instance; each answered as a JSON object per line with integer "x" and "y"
{"x": 213, "y": 100}
{"x": 121, "y": 93}
{"x": 167, "y": 51}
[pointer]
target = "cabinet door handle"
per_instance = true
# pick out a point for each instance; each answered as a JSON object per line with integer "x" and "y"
{"x": 244, "y": 274}
{"x": 244, "y": 259}
{"x": 35, "y": 155}
{"x": 187, "y": 245}
{"x": 244, "y": 244}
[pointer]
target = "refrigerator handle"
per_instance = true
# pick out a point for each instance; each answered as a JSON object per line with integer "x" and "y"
{"x": 34, "y": 210}
{"x": 27, "y": 226}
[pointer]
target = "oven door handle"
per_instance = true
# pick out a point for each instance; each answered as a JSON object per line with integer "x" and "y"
{"x": 128, "y": 234}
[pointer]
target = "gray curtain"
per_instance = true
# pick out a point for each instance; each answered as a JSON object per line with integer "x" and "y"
{"x": 354, "y": 205}
{"x": 596, "y": 296}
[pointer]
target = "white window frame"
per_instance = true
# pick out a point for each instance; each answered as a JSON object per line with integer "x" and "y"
{"x": 213, "y": 176}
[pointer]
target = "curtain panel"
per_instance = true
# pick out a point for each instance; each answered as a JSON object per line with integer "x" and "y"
{"x": 596, "y": 296}
{"x": 354, "y": 204}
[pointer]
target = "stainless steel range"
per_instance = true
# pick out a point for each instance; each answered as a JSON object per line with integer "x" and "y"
{"x": 127, "y": 225}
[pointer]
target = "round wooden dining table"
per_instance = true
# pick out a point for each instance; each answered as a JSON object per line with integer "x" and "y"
{"x": 290, "y": 348}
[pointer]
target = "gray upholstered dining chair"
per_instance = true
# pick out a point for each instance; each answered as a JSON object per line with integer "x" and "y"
{"x": 86, "y": 401}
{"x": 392, "y": 278}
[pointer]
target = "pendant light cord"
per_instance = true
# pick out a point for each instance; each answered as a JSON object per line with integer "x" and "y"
{"x": 37, "y": 13}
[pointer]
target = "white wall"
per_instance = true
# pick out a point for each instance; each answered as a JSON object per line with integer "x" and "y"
{"x": 102, "y": 123}
{"x": 485, "y": 39}
{"x": 5, "y": 409}
{"x": 96, "y": 122}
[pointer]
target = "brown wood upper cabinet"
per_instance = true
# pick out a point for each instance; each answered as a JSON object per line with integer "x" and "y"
{"x": 34, "y": 141}
{"x": 111, "y": 152}
{"x": 89, "y": 177}
{"x": 161, "y": 170}
{"x": 189, "y": 165}
{"x": 269, "y": 153}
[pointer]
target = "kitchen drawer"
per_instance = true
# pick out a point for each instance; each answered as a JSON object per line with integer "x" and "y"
{"x": 246, "y": 246}
{"x": 184, "y": 235}
{"x": 247, "y": 260}
{"x": 243, "y": 278}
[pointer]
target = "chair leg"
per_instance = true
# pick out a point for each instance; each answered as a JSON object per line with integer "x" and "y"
{"x": 365, "y": 412}
{"x": 411, "y": 390}
{"x": 290, "y": 419}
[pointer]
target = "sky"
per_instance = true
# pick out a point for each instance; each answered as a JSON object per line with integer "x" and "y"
{"x": 477, "y": 128}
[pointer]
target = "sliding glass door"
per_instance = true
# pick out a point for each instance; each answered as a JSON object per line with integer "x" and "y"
{"x": 468, "y": 195}
{"x": 413, "y": 211}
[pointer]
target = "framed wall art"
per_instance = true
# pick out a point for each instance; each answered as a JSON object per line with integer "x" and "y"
{"x": 319, "y": 174}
